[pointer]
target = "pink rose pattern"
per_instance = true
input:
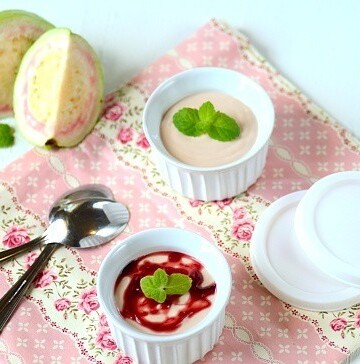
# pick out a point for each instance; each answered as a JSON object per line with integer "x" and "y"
{"x": 357, "y": 320}
{"x": 243, "y": 229}
{"x": 125, "y": 135}
{"x": 225, "y": 202}
{"x": 123, "y": 359}
{"x": 114, "y": 111}
{"x": 345, "y": 325}
{"x": 243, "y": 226}
{"x": 103, "y": 321}
{"x": 62, "y": 304}
{"x": 104, "y": 338}
{"x": 88, "y": 300}
{"x": 195, "y": 203}
{"x": 142, "y": 141}
{"x": 338, "y": 324}
{"x": 44, "y": 278}
{"x": 15, "y": 236}
{"x": 240, "y": 213}
{"x": 30, "y": 259}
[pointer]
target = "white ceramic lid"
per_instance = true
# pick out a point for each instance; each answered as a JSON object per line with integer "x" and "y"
{"x": 327, "y": 224}
{"x": 284, "y": 268}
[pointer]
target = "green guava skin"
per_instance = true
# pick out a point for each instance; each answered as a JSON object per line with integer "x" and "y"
{"x": 49, "y": 136}
{"x": 17, "y": 19}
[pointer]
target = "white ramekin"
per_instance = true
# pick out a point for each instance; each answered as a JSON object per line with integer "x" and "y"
{"x": 182, "y": 348}
{"x": 210, "y": 183}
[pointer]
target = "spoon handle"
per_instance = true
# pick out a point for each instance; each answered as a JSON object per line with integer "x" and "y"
{"x": 10, "y": 301}
{"x": 10, "y": 253}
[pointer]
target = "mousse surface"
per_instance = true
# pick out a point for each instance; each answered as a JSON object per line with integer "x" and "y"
{"x": 178, "y": 312}
{"x": 202, "y": 151}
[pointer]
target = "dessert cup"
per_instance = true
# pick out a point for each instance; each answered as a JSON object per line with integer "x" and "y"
{"x": 178, "y": 348}
{"x": 210, "y": 183}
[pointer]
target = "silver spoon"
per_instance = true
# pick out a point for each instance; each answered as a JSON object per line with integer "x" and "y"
{"x": 81, "y": 193}
{"x": 76, "y": 194}
{"x": 80, "y": 224}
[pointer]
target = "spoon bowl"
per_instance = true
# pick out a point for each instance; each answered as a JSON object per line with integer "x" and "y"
{"x": 87, "y": 223}
{"x": 82, "y": 193}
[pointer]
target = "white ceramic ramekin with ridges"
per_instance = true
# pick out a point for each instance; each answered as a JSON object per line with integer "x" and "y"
{"x": 210, "y": 183}
{"x": 189, "y": 345}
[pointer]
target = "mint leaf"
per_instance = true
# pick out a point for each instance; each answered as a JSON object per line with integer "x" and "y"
{"x": 160, "y": 284}
{"x": 217, "y": 125}
{"x": 186, "y": 121}
{"x": 178, "y": 284}
{"x": 6, "y": 136}
{"x": 160, "y": 278}
{"x": 154, "y": 286}
{"x": 224, "y": 128}
{"x": 207, "y": 112}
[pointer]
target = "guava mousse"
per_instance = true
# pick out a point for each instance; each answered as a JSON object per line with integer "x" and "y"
{"x": 164, "y": 292}
{"x": 208, "y": 129}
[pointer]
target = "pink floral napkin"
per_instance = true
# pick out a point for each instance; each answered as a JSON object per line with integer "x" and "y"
{"x": 60, "y": 320}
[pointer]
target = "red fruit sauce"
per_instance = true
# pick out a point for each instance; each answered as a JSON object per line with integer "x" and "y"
{"x": 136, "y": 306}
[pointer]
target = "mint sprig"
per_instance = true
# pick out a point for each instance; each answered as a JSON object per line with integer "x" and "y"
{"x": 160, "y": 284}
{"x": 6, "y": 136}
{"x": 206, "y": 120}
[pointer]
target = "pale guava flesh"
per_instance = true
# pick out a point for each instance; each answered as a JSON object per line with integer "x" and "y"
{"x": 59, "y": 90}
{"x": 18, "y": 31}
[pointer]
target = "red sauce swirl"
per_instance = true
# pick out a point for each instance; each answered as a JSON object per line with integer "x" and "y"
{"x": 137, "y": 307}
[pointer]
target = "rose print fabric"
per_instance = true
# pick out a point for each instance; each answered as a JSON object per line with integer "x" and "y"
{"x": 60, "y": 320}
{"x": 15, "y": 236}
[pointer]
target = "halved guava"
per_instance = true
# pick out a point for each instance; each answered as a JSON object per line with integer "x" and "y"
{"x": 59, "y": 90}
{"x": 18, "y": 31}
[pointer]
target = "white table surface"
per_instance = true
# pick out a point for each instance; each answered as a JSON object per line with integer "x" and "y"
{"x": 313, "y": 43}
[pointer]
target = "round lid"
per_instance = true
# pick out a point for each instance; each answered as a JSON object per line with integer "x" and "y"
{"x": 285, "y": 269}
{"x": 327, "y": 224}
